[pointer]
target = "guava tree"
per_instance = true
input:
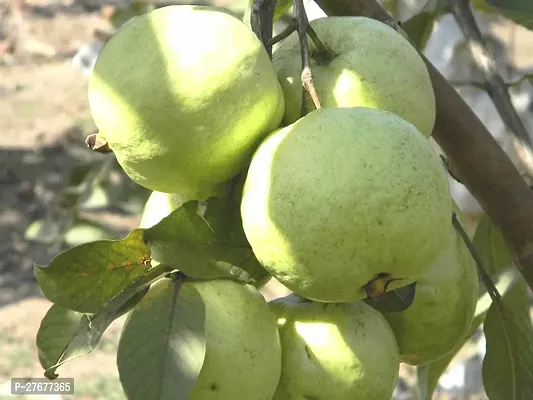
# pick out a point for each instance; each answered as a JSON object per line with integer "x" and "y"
{"x": 303, "y": 156}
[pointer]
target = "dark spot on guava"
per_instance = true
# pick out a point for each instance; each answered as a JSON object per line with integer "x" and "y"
{"x": 308, "y": 352}
{"x": 213, "y": 386}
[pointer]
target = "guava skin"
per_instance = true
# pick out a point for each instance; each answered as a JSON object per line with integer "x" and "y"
{"x": 180, "y": 104}
{"x": 243, "y": 354}
{"x": 373, "y": 66}
{"x": 243, "y": 349}
{"x": 343, "y": 195}
{"x": 443, "y": 308}
{"x": 343, "y": 351}
{"x": 159, "y": 205}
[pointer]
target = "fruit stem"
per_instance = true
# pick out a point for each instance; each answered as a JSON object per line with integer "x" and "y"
{"x": 307, "y": 77}
{"x": 322, "y": 55}
{"x": 262, "y": 21}
{"x": 285, "y": 33}
{"x": 485, "y": 277}
{"x": 450, "y": 168}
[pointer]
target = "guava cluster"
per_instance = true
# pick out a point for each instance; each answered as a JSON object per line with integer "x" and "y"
{"x": 339, "y": 204}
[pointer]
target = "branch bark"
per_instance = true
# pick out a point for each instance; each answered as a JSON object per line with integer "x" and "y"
{"x": 483, "y": 166}
{"x": 495, "y": 85}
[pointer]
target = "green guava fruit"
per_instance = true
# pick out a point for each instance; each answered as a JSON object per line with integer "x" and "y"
{"x": 335, "y": 351}
{"x": 182, "y": 95}
{"x": 443, "y": 308}
{"x": 159, "y": 205}
{"x": 342, "y": 197}
{"x": 368, "y": 64}
{"x": 243, "y": 350}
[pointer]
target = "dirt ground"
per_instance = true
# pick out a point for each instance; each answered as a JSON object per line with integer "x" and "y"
{"x": 44, "y": 120}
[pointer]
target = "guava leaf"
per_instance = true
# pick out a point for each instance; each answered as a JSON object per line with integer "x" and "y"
{"x": 292, "y": 298}
{"x": 205, "y": 240}
{"x": 65, "y": 334}
{"x": 429, "y": 375}
{"x": 162, "y": 347}
{"x": 508, "y": 363}
{"x": 491, "y": 248}
{"x": 420, "y": 26}
{"x": 85, "y": 277}
{"x": 57, "y": 329}
{"x": 78, "y": 183}
{"x": 394, "y": 300}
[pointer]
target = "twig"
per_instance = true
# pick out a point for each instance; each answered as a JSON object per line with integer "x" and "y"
{"x": 495, "y": 85}
{"x": 307, "y": 77}
{"x": 451, "y": 168}
{"x": 285, "y": 33}
{"x": 484, "y": 167}
{"x": 262, "y": 21}
{"x": 485, "y": 277}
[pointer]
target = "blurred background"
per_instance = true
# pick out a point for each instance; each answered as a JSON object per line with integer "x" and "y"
{"x": 55, "y": 193}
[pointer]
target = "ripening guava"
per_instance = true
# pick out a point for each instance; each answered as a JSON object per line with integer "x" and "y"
{"x": 243, "y": 355}
{"x": 243, "y": 350}
{"x": 369, "y": 64}
{"x": 344, "y": 196}
{"x": 183, "y": 95}
{"x": 335, "y": 351}
{"x": 160, "y": 204}
{"x": 443, "y": 308}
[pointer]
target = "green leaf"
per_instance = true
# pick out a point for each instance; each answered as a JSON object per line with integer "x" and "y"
{"x": 394, "y": 300}
{"x": 85, "y": 277}
{"x": 79, "y": 183}
{"x": 205, "y": 240}
{"x": 491, "y": 248}
{"x": 57, "y": 329}
{"x": 420, "y": 26}
{"x": 508, "y": 363}
{"x": 65, "y": 334}
{"x": 429, "y": 375}
{"x": 162, "y": 347}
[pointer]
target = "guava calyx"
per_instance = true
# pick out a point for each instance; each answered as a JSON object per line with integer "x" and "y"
{"x": 97, "y": 144}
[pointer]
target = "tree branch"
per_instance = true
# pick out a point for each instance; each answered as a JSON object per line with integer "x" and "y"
{"x": 495, "y": 85}
{"x": 483, "y": 166}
